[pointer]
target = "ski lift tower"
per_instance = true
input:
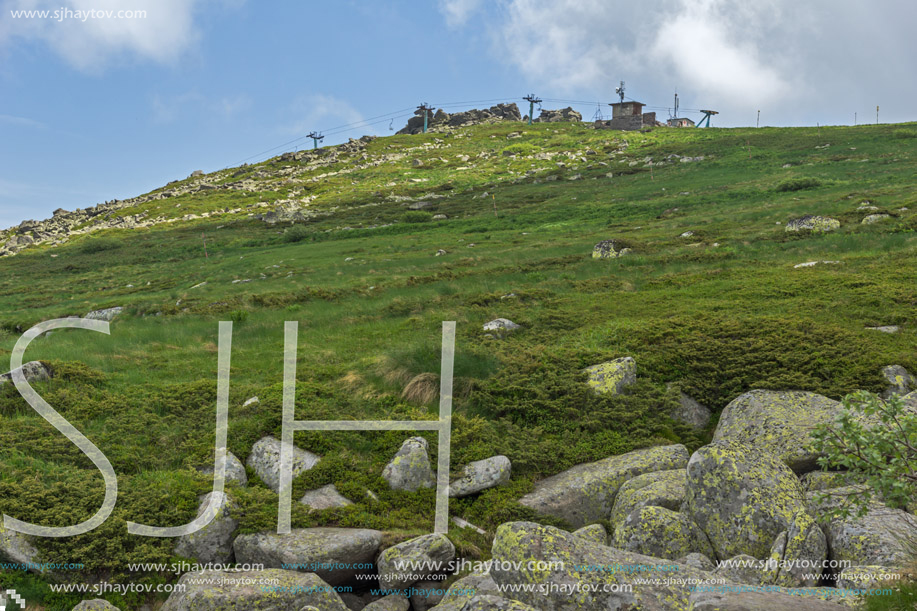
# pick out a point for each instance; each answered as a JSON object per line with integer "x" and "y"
{"x": 707, "y": 115}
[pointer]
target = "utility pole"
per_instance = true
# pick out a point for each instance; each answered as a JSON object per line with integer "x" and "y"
{"x": 758, "y": 122}
{"x": 854, "y": 119}
{"x": 316, "y": 137}
{"x": 425, "y": 108}
{"x": 877, "y": 115}
{"x": 532, "y": 100}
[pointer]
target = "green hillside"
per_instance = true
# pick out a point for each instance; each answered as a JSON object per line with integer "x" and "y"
{"x": 709, "y": 302}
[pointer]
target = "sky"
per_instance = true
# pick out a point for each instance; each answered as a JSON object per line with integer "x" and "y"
{"x": 108, "y": 105}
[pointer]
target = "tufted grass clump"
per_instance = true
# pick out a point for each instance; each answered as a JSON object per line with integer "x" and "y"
{"x": 798, "y": 184}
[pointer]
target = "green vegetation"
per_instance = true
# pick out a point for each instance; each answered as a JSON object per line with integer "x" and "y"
{"x": 718, "y": 313}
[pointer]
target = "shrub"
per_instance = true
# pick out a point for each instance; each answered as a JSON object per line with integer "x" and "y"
{"x": 519, "y": 148}
{"x": 798, "y": 184}
{"x": 99, "y": 245}
{"x": 296, "y": 233}
{"x": 238, "y": 316}
{"x": 416, "y": 216}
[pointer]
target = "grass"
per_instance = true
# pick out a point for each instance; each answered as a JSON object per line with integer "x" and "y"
{"x": 718, "y": 313}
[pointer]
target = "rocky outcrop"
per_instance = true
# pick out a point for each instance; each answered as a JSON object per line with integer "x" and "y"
{"x": 34, "y": 371}
{"x": 441, "y": 120}
{"x": 267, "y": 590}
{"x": 481, "y": 475}
{"x": 410, "y": 469}
{"x": 609, "y": 249}
{"x": 586, "y": 493}
{"x": 811, "y": 222}
{"x": 660, "y": 532}
{"x": 656, "y": 489}
{"x": 426, "y": 551}
{"x": 95, "y": 605}
{"x": 328, "y": 552}
{"x": 612, "y": 377}
{"x": 556, "y": 116}
{"x": 778, "y": 423}
{"x": 725, "y": 600}
{"x": 265, "y": 461}
{"x": 108, "y": 314}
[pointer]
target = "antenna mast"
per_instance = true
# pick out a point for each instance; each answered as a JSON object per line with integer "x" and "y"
{"x": 620, "y": 91}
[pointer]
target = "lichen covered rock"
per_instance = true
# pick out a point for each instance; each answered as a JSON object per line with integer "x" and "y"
{"x": 609, "y": 249}
{"x": 741, "y": 498}
{"x": 900, "y": 382}
{"x": 212, "y": 543}
{"x": 811, "y": 222}
{"x": 660, "y": 532}
{"x": 235, "y": 470}
{"x": 742, "y": 569}
{"x": 265, "y": 461}
{"x": 613, "y": 376}
{"x": 798, "y": 554}
{"x": 659, "y": 489}
{"x": 410, "y": 469}
{"x": 778, "y": 423}
{"x": 593, "y": 532}
{"x": 326, "y": 497}
{"x": 98, "y": 604}
{"x": 436, "y": 550}
{"x": 586, "y": 493}
{"x": 481, "y": 475}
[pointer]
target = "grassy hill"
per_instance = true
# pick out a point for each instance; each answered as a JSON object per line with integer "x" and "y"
{"x": 714, "y": 313}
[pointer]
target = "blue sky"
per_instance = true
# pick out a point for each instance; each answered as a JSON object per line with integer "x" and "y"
{"x": 110, "y": 108}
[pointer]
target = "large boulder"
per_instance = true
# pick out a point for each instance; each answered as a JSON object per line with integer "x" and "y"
{"x": 265, "y": 461}
{"x": 659, "y": 489}
{"x": 410, "y": 469}
{"x": 691, "y": 412}
{"x": 900, "y": 382}
{"x": 98, "y": 604}
{"x": 392, "y": 602}
{"x": 334, "y": 554}
{"x": 571, "y": 573}
{"x": 612, "y": 377}
{"x": 481, "y": 475}
{"x": 593, "y": 532}
{"x": 882, "y": 537}
{"x": 33, "y": 371}
{"x": 822, "y": 480}
{"x": 609, "y": 249}
{"x": 811, "y": 222}
{"x": 798, "y": 553}
{"x": 741, "y": 498}
{"x": 723, "y": 599}
{"x": 557, "y": 116}
{"x": 267, "y": 590}
{"x": 414, "y": 560}
{"x": 586, "y": 493}
{"x": 778, "y": 423}
{"x": 660, "y": 532}
{"x": 213, "y": 543}
{"x": 235, "y": 470}
{"x": 466, "y": 588}
{"x": 15, "y": 547}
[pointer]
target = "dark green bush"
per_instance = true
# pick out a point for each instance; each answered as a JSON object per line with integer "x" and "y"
{"x": 296, "y": 233}
{"x": 416, "y": 216}
{"x": 798, "y": 184}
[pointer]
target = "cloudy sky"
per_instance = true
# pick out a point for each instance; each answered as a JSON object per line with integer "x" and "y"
{"x": 99, "y": 107}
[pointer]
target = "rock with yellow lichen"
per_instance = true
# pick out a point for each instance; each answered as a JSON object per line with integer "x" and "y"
{"x": 900, "y": 382}
{"x": 798, "y": 554}
{"x": 659, "y": 489}
{"x": 742, "y": 569}
{"x": 741, "y": 498}
{"x": 660, "y": 532}
{"x": 267, "y": 590}
{"x": 16, "y": 547}
{"x": 779, "y": 423}
{"x": 714, "y": 599}
{"x": 593, "y": 532}
{"x": 462, "y": 591}
{"x": 431, "y": 552}
{"x": 613, "y": 376}
{"x": 586, "y": 493}
{"x": 410, "y": 469}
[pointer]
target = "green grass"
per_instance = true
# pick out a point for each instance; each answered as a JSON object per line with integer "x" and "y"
{"x": 369, "y": 294}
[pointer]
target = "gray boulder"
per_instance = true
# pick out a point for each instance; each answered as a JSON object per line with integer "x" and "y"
{"x": 741, "y": 498}
{"x": 822, "y": 480}
{"x": 697, "y": 561}
{"x": 660, "y": 532}
{"x": 557, "y": 116}
{"x": 481, "y": 475}
{"x": 811, "y": 222}
{"x": 722, "y": 600}
{"x": 778, "y": 423}
{"x": 586, "y": 493}
{"x": 501, "y": 326}
{"x": 316, "y": 550}
{"x": 267, "y": 590}
{"x": 742, "y": 569}
{"x": 466, "y": 588}
{"x": 16, "y": 547}
{"x": 900, "y": 382}
{"x": 490, "y": 602}
{"x": 235, "y": 470}
{"x": 869, "y": 219}
{"x": 428, "y": 595}
{"x": 34, "y": 371}
{"x": 593, "y": 532}
{"x": 396, "y": 565}
{"x": 691, "y": 412}
{"x": 265, "y": 461}
{"x": 410, "y": 469}
{"x": 867, "y": 576}
{"x": 108, "y": 314}
{"x": 659, "y": 489}
{"x": 98, "y": 604}
{"x": 609, "y": 249}
{"x": 612, "y": 377}
{"x": 392, "y": 602}
{"x": 213, "y": 543}
{"x": 325, "y": 497}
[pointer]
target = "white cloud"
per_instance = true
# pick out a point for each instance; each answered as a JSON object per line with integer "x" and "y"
{"x": 162, "y": 33}
{"x": 457, "y": 12}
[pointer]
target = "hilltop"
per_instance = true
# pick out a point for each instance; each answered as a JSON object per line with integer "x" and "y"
{"x": 370, "y": 245}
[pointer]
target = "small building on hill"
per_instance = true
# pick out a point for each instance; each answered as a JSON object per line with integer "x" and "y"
{"x": 680, "y": 122}
{"x": 628, "y": 116}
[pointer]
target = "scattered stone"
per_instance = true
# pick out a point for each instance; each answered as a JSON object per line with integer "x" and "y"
{"x": 235, "y": 471}
{"x": 332, "y": 551}
{"x": 481, "y": 475}
{"x": 417, "y": 163}
{"x": 251, "y": 401}
{"x": 98, "y": 604}
{"x": 440, "y": 217}
{"x": 586, "y": 493}
{"x": 686, "y": 234}
{"x": 900, "y": 382}
{"x": 814, "y": 263}
{"x": 811, "y": 222}
{"x": 612, "y": 377}
{"x": 265, "y": 461}
{"x": 420, "y": 205}
{"x": 660, "y": 532}
{"x": 874, "y": 218}
{"x": 609, "y": 249}
{"x": 212, "y": 543}
{"x": 778, "y": 423}
{"x": 691, "y": 412}
{"x": 410, "y": 469}
{"x": 326, "y": 497}
{"x": 392, "y": 602}
{"x": 886, "y": 329}
{"x": 658, "y": 488}
{"x": 440, "y": 252}
{"x": 106, "y": 315}
{"x": 501, "y": 326}
{"x": 229, "y": 590}
{"x": 34, "y": 371}
{"x": 429, "y": 551}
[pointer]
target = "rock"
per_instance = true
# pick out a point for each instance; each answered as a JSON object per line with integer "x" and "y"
{"x": 879, "y": 538}
{"x": 798, "y": 553}
{"x": 609, "y": 249}
{"x": 466, "y": 588}
{"x": 586, "y": 493}
{"x": 267, "y": 590}
{"x": 741, "y": 498}
{"x": 812, "y": 222}
{"x": 420, "y": 205}
{"x": 213, "y": 543}
{"x": 410, "y": 469}
{"x": 612, "y": 377}
{"x": 440, "y": 217}
{"x": 107, "y": 314}
{"x": 440, "y": 253}
{"x": 501, "y": 326}
{"x": 742, "y": 569}
{"x": 572, "y": 589}
{"x": 556, "y": 116}
{"x": 481, "y": 475}
{"x": 196, "y": 173}
{"x": 886, "y": 329}
{"x": 658, "y": 489}
{"x": 593, "y": 532}
{"x": 429, "y": 594}
{"x": 235, "y": 470}
{"x": 779, "y": 423}
{"x": 866, "y": 577}
{"x": 353, "y": 602}
{"x": 251, "y": 401}
{"x": 697, "y": 561}
{"x": 869, "y": 219}
{"x": 34, "y": 371}
{"x": 900, "y": 382}
{"x": 265, "y": 461}
{"x": 822, "y": 480}
{"x": 814, "y": 263}
{"x": 392, "y": 602}
{"x": 489, "y": 602}
{"x": 691, "y": 412}
{"x": 325, "y": 497}
{"x": 717, "y": 599}
{"x": 98, "y": 604}
{"x": 417, "y": 163}
{"x": 316, "y": 550}
{"x": 395, "y": 563}
{"x": 15, "y": 547}
{"x": 660, "y": 532}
